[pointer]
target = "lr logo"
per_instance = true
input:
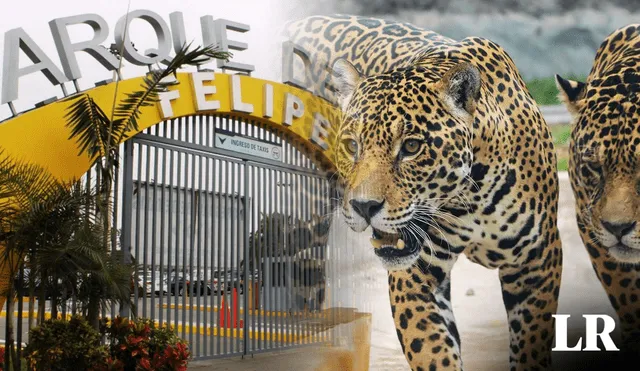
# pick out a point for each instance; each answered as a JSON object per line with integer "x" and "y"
{"x": 591, "y": 333}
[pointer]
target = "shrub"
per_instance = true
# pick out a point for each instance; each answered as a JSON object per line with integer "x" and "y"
{"x": 64, "y": 345}
{"x": 131, "y": 346}
{"x": 140, "y": 345}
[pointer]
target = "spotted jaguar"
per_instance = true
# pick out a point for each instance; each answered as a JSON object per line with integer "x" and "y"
{"x": 604, "y": 169}
{"x": 442, "y": 152}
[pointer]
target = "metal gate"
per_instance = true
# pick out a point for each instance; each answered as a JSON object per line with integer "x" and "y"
{"x": 230, "y": 244}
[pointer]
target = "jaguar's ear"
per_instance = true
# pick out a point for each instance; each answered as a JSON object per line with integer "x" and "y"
{"x": 571, "y": 93}
{"x": 345, "y": 79}
{"x": 459, "y": 88}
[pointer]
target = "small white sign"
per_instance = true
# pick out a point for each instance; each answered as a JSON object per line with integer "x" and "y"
{"x": 248, "y": 146}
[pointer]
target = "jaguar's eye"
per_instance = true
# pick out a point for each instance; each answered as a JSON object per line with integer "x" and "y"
{"x": 590, "y": 156}
{"x": 350, "y": 145}
{"x": 593, "y": 181}
{"x": 591, "y": 174}
{"x": 410, "y": 147}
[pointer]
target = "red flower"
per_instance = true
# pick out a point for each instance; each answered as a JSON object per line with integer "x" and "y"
{"x": 134, "y": 340}
{"x": 145, "y": 364}
{"x": 141, "y": 345}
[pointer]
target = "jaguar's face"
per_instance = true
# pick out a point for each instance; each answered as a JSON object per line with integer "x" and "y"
{"x": 605, "y": 166}
{"x": 610, "y": 189}
{"x": 405, "y": 149}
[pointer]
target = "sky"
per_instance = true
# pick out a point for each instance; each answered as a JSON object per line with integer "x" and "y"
{"x": 263, "y": 16}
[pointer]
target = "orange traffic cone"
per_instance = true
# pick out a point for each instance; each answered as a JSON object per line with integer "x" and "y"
{"x": 234, "y": 306}
{"x": 224, "y": 313}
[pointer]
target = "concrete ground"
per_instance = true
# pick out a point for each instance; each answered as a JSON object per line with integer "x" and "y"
{"x": 295, "y": 359}
{"x": 478, "y": 310}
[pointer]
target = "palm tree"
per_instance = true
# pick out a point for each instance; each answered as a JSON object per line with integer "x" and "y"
{"x": 35, "y": 209}
{"x": 50, "y": 224}
{"x": 99, "y": 136}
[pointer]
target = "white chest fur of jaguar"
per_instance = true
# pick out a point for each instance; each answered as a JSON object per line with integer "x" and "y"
{"x": 442, "y": 152}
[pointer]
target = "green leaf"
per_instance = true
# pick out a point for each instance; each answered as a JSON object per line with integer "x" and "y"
{"x": 127, "y": 112}
{"x": 89, "y": 126}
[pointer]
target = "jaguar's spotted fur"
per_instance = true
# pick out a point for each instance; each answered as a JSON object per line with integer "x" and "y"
{"x": 443, "y": 152}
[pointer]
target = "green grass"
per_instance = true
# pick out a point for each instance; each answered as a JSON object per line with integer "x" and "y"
{"x": 544, "y": 90}
{"x": 561, "y": 134}
{"x": 563, "y": 164}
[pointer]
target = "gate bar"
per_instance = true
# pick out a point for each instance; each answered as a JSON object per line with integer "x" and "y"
{"x": 127, "y": 205}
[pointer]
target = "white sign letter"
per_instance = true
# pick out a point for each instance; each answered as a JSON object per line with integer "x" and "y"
{"x": 177, "y": 30}
{"x": 67, "y": 50}
{"x": 561, "y": 334}
{"x": 293, "y": 108}
{"x": 150, "y": 56}
{"x": 14, "y": 41}
{"x": 268, "y": 101}
{"x": 165, "y": 102}
{"x": 289, "y": 50}
{"x": 166, "y": 97}
{"x": 592, "y": 332}
{"x": 215, "y": 33}
{"x": 236, "y": 96}
{"x": 201, "y": 91}
{"x": 319, "y": 131}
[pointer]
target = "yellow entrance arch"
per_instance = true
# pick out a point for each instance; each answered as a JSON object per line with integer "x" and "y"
{"x": 40, "y": 136}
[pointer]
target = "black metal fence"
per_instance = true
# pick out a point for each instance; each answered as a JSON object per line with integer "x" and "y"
{"x": 231, "y": 245}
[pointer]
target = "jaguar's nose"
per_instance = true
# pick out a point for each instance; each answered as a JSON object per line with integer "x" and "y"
{"x": 366, "y": 208}
{"x": 618, "y": 229}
